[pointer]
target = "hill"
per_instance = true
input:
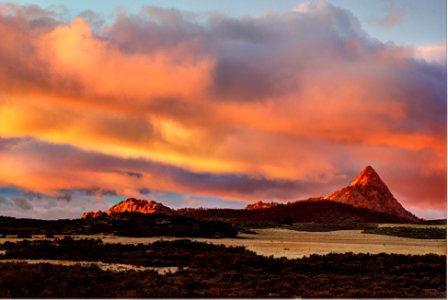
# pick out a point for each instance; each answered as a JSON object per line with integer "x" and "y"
{"x": 367, "y": 190}
{"x": 307, "y": 211}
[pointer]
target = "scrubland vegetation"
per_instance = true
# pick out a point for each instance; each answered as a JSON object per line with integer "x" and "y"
{"x": 410, "y": 232}
{"x": 123, "y": 224}
{"x": 214, "y": 271}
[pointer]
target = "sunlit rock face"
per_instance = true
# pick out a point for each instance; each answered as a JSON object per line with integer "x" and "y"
{"x": 139, "y": 206}
{"x": 261, "y": 205}
{"x": 367, "y": 190}
{"x": 93, "y": 214}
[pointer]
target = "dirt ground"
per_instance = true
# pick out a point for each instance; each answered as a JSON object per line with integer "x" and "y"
{"x": 104, "y": 266}
{"x": 296, "y": 244}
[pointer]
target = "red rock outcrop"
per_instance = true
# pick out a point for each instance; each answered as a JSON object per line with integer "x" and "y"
{"x": 139, "y": 206}
{"x": 367, "y": 190}
{"x": 93, "y": 214}
{"x": 261, "y": 205}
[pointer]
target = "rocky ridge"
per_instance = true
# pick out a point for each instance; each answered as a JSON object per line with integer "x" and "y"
{"x": 139, "y": 206}
{"x": 132, "y": 205}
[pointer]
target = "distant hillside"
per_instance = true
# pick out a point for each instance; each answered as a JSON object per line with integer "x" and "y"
{"x": 317, "y": 211}
{"x": 366, "y": 199}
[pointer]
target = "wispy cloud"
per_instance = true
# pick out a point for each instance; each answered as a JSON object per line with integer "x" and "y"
{"x": 390, "y": 13}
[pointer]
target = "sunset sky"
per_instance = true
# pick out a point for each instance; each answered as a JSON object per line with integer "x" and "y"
{"x": 219, "y": 103}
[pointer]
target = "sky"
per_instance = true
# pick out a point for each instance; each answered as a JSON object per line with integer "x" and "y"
{"x": 219, "y": 104}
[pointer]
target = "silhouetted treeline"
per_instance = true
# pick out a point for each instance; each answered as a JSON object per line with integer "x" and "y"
{"x": 433, "y": 222}
{"x": 410, "y": 232}
{"x": 124, "y": 224}
{"x": 215, "y": 271}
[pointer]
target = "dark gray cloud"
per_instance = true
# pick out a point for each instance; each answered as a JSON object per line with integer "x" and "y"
{"x": 144, "y": 191}
{"x": 66, "y": 196}
{"x": 23, "y": 203}
{"x": 69, "y": 194}
{"x": 10, "y": 203}
{"x": 135, "y": 174}
{"x": 6, "y": 201}
{"x": 240, "y": 183}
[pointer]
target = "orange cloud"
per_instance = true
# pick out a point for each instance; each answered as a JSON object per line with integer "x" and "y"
{"x": 74, "y": 53}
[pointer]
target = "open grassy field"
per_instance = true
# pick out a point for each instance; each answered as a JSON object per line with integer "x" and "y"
{"x": 296, "y": 244}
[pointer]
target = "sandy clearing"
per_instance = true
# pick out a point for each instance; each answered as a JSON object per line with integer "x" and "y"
{"x": 104, "y": 266}
{"x": 296, "y": 244}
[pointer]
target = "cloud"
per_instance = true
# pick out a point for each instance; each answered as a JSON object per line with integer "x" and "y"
{"x": 393, "y": 17}
{"x": 15, "y": 203}
{"x": 135, "y": 174}
{"x": 22, "y": 204}
{"x": 280, "y": 106}
{"x": 432, "y": 53}
{"x": 5, "y": 201}
{"x": 393, "y": 14}
{"x": 112, "y": 174}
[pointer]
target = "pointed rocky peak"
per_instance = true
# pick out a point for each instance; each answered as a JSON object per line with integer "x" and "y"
{"x": 139, "y": 206}
{"x": 368, "y": 176}
{"x": 367, "y": 190}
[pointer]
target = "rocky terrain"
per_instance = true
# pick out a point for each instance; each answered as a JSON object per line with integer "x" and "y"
{"x": 132, "y": 205}
{"x": 367, "y": 190}
{"x": 140, "y": 206}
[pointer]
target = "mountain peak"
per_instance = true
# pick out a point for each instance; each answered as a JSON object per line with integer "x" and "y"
{"x": 367, "y": 176}
{"x": 367, "y": 190}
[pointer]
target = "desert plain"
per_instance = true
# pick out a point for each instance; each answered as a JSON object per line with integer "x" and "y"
{"x": 280, "y": 242}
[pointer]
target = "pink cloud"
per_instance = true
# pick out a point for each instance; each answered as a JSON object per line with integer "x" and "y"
{"x": 433, "y": 53}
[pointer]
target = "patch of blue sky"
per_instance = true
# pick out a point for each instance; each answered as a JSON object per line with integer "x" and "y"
{"x": 10, "y": 191}
{"x": 403, "y": 22}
